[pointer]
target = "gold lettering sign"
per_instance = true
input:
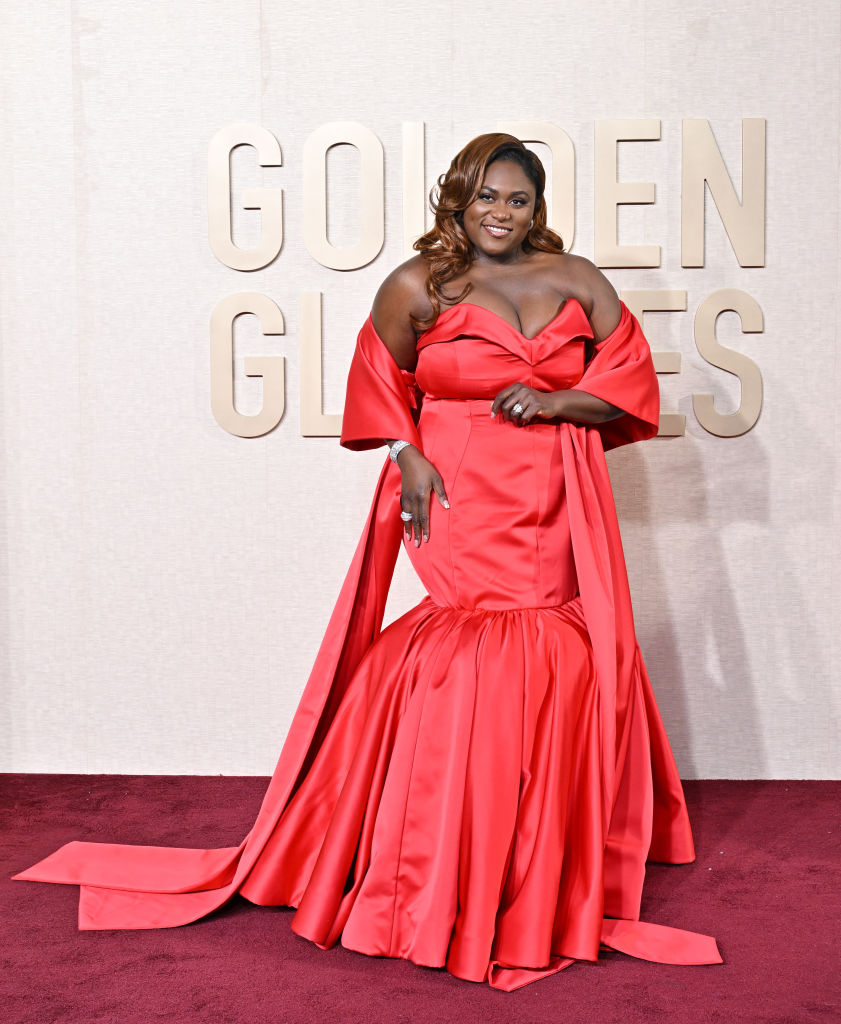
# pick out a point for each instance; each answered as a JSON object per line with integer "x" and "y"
{"x": 611, "y": 193}
{"x": 702, "y": 166}
{"x": 314, "y": 423}
{"x": 414, "y": 187}
{"x": 270, "y": 368}
{"x": 268, "y": 201}
{"x": 750, "y": 314}
{"x": 372, "y": 203}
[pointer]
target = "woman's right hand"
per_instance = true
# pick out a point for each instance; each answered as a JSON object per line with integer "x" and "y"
{"x": 419, "y": 479}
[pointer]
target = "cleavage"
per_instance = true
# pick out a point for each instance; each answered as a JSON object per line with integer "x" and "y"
{"x": 495, "y": 302}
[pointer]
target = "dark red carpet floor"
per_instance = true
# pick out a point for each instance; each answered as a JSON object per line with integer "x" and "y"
{"x": 767, "y": 884}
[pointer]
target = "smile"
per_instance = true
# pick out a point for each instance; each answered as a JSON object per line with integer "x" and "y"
{"x": 496, "y": 230}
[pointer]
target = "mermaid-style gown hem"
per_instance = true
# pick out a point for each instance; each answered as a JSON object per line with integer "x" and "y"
{"x": 450, "y": 818}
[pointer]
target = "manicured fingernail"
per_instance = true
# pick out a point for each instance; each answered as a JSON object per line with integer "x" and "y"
{"x": 417, "y": 542}
{"x": 492, "y": 414}
{"x": 446, "y": 503}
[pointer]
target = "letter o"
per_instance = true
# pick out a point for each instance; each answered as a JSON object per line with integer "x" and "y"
{"x": 372, "y": 208}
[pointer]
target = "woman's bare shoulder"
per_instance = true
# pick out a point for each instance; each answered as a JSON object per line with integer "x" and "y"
{"x": 581, "y": 279}
{"x": 401, "y": 296}
{"x": 403, "y": 292}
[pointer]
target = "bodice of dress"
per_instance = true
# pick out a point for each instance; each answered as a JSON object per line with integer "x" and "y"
{"x": 505, "y": 541}
{"x": 471, "y": 352}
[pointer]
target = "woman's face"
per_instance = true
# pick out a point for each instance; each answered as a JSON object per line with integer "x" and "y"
{"x": 497, "y": 221}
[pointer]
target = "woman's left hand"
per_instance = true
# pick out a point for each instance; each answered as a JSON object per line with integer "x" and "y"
{"x": 531, "y": 403}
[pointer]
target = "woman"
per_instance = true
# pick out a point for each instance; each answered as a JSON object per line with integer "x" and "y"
{"x": 479, "y": 785}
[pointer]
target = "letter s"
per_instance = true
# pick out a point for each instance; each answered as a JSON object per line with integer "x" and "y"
{"x": 711, "y": 349}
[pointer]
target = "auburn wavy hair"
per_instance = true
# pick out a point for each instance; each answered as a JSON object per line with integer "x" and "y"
{"x": 446, "y": 247}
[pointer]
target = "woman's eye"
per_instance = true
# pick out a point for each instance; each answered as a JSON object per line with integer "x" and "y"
{"x": 486, "y": 197}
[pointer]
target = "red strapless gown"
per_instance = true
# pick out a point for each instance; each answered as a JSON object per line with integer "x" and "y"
{"x": 477, "y": 786}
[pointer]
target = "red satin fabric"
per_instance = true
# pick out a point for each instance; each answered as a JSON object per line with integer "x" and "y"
{"x": 479, "y": 785}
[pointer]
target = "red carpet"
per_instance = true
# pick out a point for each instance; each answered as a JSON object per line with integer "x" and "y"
{"x": 766, "y": 883}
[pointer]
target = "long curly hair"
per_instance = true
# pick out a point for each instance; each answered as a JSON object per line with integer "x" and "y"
{"x": 446, "y": 247}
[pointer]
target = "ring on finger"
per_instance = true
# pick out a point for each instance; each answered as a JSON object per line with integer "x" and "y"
{"x": 406, "y": 516}
{"x": 516, "y": 409}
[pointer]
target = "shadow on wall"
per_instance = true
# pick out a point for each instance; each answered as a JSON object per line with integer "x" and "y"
{"x": 692, "y": 505}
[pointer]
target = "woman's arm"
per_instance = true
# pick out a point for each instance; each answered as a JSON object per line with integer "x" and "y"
{"x": 579, "y": 407}
{"x": 401, "y": 296}
{"x": 575, "y": 406}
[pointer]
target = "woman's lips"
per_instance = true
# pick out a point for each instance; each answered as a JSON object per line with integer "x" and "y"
{"x": 496, "y": 230}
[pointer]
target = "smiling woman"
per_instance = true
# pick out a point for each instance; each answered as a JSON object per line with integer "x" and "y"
{"x": 479, "y": 785}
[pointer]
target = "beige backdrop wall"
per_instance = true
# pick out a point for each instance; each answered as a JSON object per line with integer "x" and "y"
{"x": 166, "y": 584}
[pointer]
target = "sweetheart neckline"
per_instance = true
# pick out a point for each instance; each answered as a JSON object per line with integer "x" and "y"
{"x": 502, "y": 319}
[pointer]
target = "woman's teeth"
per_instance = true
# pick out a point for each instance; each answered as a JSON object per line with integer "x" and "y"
{"x": 496, "y": 231}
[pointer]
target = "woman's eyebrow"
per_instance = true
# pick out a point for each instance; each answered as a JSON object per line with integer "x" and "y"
{"x": 516, "y": 192}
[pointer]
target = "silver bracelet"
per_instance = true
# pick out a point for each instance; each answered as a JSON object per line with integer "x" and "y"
{"x": 397, "y": 448}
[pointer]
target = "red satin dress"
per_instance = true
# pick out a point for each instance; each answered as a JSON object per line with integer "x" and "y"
{"x": 477, "y": 786}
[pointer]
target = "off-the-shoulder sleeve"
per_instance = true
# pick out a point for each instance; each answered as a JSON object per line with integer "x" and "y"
{"x": 380, "y": 397}
{"x": 622, "y": 372}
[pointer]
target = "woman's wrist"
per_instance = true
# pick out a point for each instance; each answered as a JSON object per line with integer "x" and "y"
{"x": 397, "y": 447}
{"x": 559, "y": 401}
{"x": 581, "y": 407}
